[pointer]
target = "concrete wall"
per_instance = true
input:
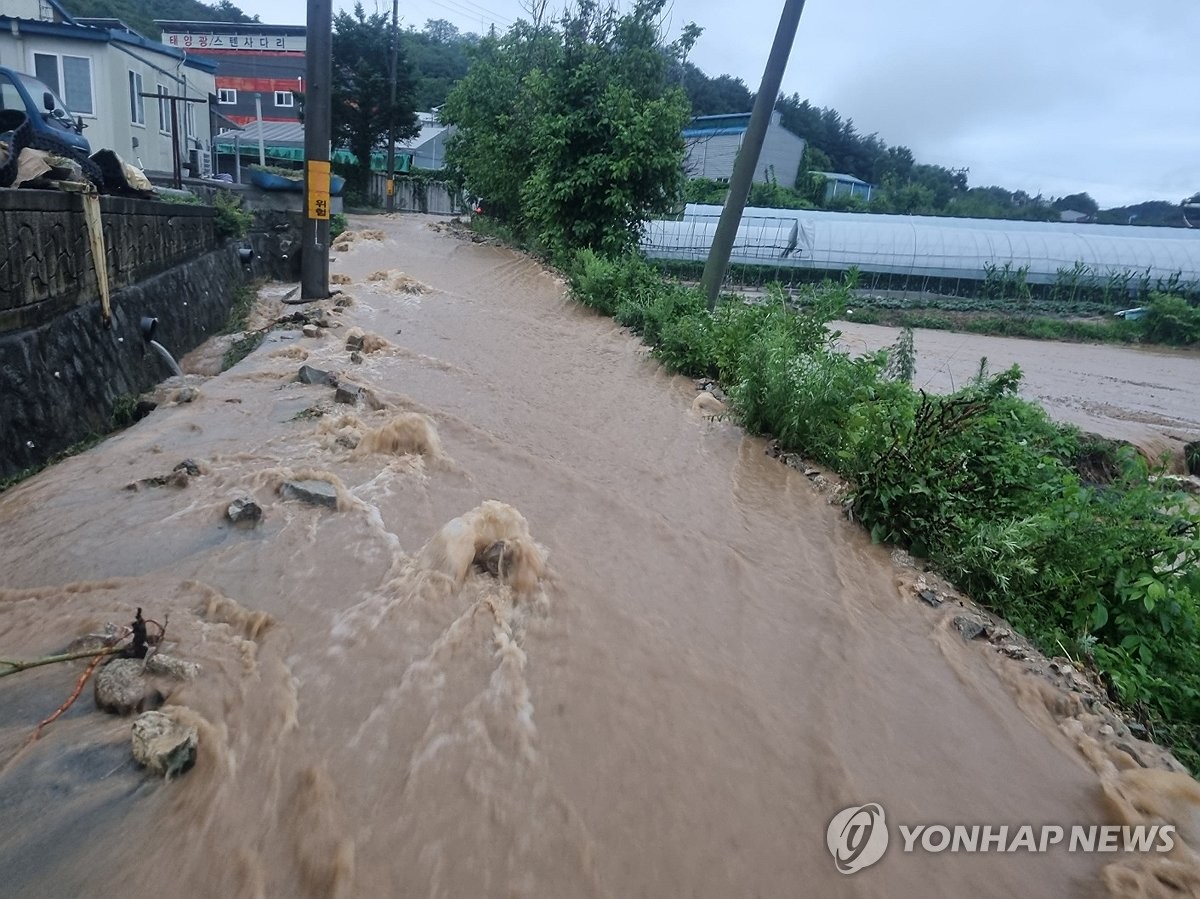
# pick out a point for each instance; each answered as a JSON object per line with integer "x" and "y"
{"x": 61, "y": 370}
{"x": 415, "y": 195}
{"x": 46, "y": 266}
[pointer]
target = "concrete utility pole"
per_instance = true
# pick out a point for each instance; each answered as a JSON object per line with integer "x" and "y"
{"x": 391, "y": 153}
{"x": 747, "y": 158}
{"x": 314, "y": 256}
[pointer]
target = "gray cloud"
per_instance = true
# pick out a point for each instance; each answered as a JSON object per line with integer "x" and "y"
{"x": 1057, "y": 97}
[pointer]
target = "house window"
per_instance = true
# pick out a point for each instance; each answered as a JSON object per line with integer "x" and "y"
{"x": 227, "y": 96}
{"x": 137, "y": 103}
{"x": 164, "y": 111}
{"x": 189, "y": 120}
{"x": 68, "y": 76}
{"x": 284, "y": 98}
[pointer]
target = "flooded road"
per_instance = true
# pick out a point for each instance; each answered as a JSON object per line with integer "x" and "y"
{"x": 690, "y": 660}
{"x": 1144, "y": 395}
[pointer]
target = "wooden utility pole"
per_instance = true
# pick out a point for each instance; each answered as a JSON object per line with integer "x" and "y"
{"x": 391, "y": 153}
{"x": 314, "y": 256}
{"x": 747, "y": 158}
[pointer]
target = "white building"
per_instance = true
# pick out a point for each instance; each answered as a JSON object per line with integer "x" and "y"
{"x": 100, "y": 69}
{"x": 428, "y": 148}
{"x": 713, "y": 141}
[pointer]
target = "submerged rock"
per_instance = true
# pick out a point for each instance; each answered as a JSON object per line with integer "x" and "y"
{"x": 310, "y": 375}
{"x": 244, "y": 510}
{"x": 494, "y": 559}
{"x": 189, "y": 466}
{"x": 122, "y": 688}
{"x": 164, "y": 744}
{"x": 179, "y": 477}
{"x": 314, "y": 492}
{"x": 347, "y": 393}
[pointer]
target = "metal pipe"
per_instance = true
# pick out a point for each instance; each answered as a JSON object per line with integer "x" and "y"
{"x": 262, "y": 147}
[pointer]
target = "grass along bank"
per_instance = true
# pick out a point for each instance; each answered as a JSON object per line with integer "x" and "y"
{"x": 980, "y": 482}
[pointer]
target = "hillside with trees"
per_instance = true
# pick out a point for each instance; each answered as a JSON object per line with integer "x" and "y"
{"x": 140, "y": 14}
{"x": 902, "y": 184}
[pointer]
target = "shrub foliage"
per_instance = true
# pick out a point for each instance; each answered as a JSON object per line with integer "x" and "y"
{"x": 571, "y": 130}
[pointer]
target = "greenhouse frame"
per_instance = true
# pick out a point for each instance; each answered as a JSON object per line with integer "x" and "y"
{"x": 928, "y": 254}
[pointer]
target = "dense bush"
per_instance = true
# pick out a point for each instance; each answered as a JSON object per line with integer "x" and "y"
{"x": 232, "y": 219}
{"x": 1171, "y": 319}
{"x": 980, "y": 482}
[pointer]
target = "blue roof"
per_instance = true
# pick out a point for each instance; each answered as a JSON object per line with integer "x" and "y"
{"x": 712, "y": 132}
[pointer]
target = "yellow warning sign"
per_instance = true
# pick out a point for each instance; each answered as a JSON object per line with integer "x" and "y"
{"x": 318, "y": 189}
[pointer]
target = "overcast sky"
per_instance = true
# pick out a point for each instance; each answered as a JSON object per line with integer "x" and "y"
{"x": 1048, "y": 96}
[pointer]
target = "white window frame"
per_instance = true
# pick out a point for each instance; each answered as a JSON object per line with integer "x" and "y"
{"x": 60, "y": 75}
{"x": 164, "y": 110}
{"x": 227, "y": 96}
{"x": 289, "y": 99}
{"x": 189, "y": 120}
{"x": 137, "y": 103}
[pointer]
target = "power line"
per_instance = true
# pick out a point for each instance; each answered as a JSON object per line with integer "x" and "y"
{"x": 471, "y": 14}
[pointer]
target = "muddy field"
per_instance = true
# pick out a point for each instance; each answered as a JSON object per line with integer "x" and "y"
{"x": 1147, "y": 396}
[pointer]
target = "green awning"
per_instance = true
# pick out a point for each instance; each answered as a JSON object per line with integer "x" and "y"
{"x": 296, "y": 154}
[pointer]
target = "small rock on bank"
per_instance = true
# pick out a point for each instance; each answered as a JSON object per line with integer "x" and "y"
{"x": 163, "y": 744}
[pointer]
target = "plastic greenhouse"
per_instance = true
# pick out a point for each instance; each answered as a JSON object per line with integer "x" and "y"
{"x": 936, "y": 254}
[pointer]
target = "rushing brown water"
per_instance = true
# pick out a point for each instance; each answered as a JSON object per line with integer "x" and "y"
{"x": 693, "y": 663}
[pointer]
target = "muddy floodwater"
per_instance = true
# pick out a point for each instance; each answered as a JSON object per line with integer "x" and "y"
{"x": 686, "y": 663}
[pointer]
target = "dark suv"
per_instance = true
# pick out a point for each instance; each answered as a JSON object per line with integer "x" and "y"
{"x": 50, "y": 124}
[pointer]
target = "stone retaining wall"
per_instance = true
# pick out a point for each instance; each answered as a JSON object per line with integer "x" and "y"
{"x": 46, "y": 265}
{"x": 60, "y": 380}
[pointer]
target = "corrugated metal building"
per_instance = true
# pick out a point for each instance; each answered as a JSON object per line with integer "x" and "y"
{"x": 713, "y": 142}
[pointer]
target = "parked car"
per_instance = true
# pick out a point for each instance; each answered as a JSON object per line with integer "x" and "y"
{"x": 51, "y": 125}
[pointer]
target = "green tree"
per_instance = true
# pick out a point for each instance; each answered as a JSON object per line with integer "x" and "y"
{"x": 492, "y": 107}
{"x": 363, "y": 113}
{"x": 438, "y": 58}
{"x": 1077, "y": 203}
{"x": 715, "y": 96}
{"x": 572, "y": 130}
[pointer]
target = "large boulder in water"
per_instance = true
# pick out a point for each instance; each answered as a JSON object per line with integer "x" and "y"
{"x": 163, "y": 743}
